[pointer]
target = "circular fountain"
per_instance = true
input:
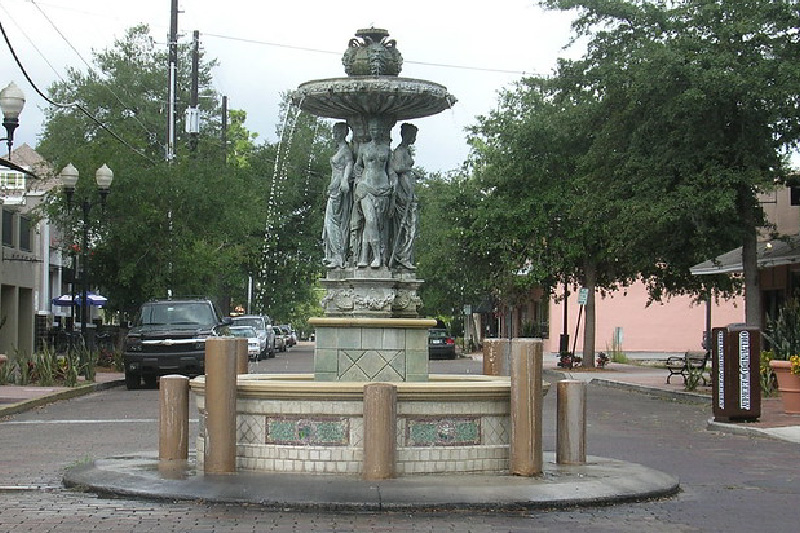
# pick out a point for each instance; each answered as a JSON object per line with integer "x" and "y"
{"x": 371, "y": 331}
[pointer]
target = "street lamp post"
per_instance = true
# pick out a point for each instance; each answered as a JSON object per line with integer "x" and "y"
{"x": 69, "y": 180}
{"x": 11, "y": 103}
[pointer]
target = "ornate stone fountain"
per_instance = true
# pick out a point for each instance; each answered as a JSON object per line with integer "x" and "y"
{"x": 371, "y": 331}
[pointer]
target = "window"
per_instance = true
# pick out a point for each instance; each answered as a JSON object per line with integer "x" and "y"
{"x": 25, "y": 234}
{"x": 12, "y": 186}
{"x": 8, "y": 228}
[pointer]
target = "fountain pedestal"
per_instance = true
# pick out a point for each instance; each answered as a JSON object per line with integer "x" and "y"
{"x": 371, "y": 331}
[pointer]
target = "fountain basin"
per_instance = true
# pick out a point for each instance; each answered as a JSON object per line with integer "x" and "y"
{"x": 360, "y": 96}
{"x": 451, "y": 424}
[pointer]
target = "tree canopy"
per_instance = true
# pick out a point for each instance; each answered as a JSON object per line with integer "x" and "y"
{"x": 645, "y": 156}
{"x": 191, "y": 226}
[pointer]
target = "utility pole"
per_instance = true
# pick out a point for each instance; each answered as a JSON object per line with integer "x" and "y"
{"x": 224, "y": 134}
{"x": 172, "y": 88}
{"x": 193, "y": 112}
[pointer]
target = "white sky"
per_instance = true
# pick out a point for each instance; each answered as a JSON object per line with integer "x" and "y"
{"x": 482, "y": 37}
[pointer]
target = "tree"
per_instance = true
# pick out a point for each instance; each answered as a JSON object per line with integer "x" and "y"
{"x": 455, "y": 273}
{"x": 166, "y": 226}
{"x": 698, "y": 107}
{"x": 294, "y": 175}
{"x": 547, "y": 220}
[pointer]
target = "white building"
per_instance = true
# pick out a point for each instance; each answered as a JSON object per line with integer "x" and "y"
{"x": 31, "y": 267}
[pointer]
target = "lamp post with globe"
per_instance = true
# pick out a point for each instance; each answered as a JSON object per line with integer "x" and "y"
{"x": 11, "y": 103}
{"x": 69, "y": 180}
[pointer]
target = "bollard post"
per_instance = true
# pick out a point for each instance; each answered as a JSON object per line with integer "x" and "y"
{"x": 526, "y": 453}
{"x": 173, "y": 419}
{"x": 571, "y": 422}
{"x": 219, "y": 456}
{"x": 380, "y": 431}
{"x": 241, "y": 356}
{"x": 494, "y": 356}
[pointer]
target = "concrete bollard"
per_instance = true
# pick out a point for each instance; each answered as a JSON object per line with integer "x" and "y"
{"x": 495, "y": 355}
{"x": 241, "y": 356}
{"x": 219, "y": 456}
{"x": 380, "y": 431}
{"x": 526, "y": 454}
{"x": 571, "y": 422}
{"x": 173, "y": 419}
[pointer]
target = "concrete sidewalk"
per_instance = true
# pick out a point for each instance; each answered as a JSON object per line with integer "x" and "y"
{"x": 16, "y": 399}
{"x": 651, "y": 380}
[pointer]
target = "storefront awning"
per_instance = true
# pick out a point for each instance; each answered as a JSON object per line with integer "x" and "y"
{"x": 785, "y": 251}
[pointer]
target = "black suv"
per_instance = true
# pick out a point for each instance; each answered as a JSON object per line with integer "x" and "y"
{"x": 169, "y": 337}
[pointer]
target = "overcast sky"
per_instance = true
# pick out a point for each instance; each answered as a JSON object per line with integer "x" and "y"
{"x": 268, "y": 48}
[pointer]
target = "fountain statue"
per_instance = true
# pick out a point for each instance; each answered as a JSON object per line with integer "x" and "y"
{"x": 371, "y": 260}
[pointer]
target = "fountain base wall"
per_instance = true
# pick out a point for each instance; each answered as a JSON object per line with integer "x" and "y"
{"x": 290, "y": 423}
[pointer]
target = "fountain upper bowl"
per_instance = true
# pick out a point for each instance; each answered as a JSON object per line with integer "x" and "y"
{"x": 358, "y": 96}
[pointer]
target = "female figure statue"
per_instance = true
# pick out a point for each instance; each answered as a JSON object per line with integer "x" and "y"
{"x": 405, "y": 212}
{"x": 337, "y": 209}
{"x": 371, "y": 200}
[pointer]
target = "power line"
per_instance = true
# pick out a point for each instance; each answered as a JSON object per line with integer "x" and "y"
{"x": 74, "y": 105}
{"x": 89, "y": 67}
{"x": 320, "y": 51}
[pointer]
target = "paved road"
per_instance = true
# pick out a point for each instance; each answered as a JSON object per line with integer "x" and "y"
{"x": 730, "y": 483}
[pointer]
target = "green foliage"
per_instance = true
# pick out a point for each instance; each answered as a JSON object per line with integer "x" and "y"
{"x": 696, "y": 105}
{"x": 7, "y": 370}
{"x": 768, "y": 379}
{"x": 286, "y": 255}
{"x": 45, "y": 367}
{"x": 195, "y": 225}
{"x": 694, "y": 377}
{"x": 450, "y": 252}
{"x": 71, "y": 368}
{"x": 783, "y": 332}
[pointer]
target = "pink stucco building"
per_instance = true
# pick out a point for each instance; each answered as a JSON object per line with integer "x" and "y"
{"x": 671, "y": 327}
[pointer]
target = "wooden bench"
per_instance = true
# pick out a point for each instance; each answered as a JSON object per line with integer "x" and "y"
{"x": 690, "y": 361}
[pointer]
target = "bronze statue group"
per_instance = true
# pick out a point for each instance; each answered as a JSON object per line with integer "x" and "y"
{"x": 371, "y": 216}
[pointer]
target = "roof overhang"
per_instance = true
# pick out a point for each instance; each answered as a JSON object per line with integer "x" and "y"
{"x": 769, "y": 254}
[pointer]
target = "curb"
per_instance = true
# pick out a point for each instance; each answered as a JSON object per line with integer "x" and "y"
{"x": 689, "y": 397}
{"x": 600, "y": 481}
{"x": 81, "y": 390}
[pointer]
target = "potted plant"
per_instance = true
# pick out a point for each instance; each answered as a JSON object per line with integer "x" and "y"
{"x": 784, "y": 337}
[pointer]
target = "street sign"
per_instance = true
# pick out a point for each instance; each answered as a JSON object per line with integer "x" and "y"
{"x": 583, "y": 296}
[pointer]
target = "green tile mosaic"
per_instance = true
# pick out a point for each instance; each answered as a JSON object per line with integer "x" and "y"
{"x": 307, "y": 431}
{"x": 443, "y": 431}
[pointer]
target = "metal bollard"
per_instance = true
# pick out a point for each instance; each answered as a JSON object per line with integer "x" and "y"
{"x": 241, "y": 356}
{"x": 526, "y": 453}
{"x": 380, "y": 431}
{"x": 571, "y": 422}
{"x": 220, "y": 404}
{"x": 173, "y": 420}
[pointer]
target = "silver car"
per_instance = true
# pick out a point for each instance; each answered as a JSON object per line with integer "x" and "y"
{"x": 264, "y": 329}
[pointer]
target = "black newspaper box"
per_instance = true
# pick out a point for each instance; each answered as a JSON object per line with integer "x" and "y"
{"x": 735, "y": 372}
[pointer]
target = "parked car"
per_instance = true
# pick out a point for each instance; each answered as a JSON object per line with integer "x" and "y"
{"x": 253, "y": 341}
{"x": 441, "y": 345}
{"x": 287, "y": 335}
{"x": 280, "y": 340}
{"x": 169, "y": 337}
{"x": 263, "y": 327}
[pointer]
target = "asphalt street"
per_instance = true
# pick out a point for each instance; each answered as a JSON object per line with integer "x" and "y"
{"x": 729, "y": 482}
